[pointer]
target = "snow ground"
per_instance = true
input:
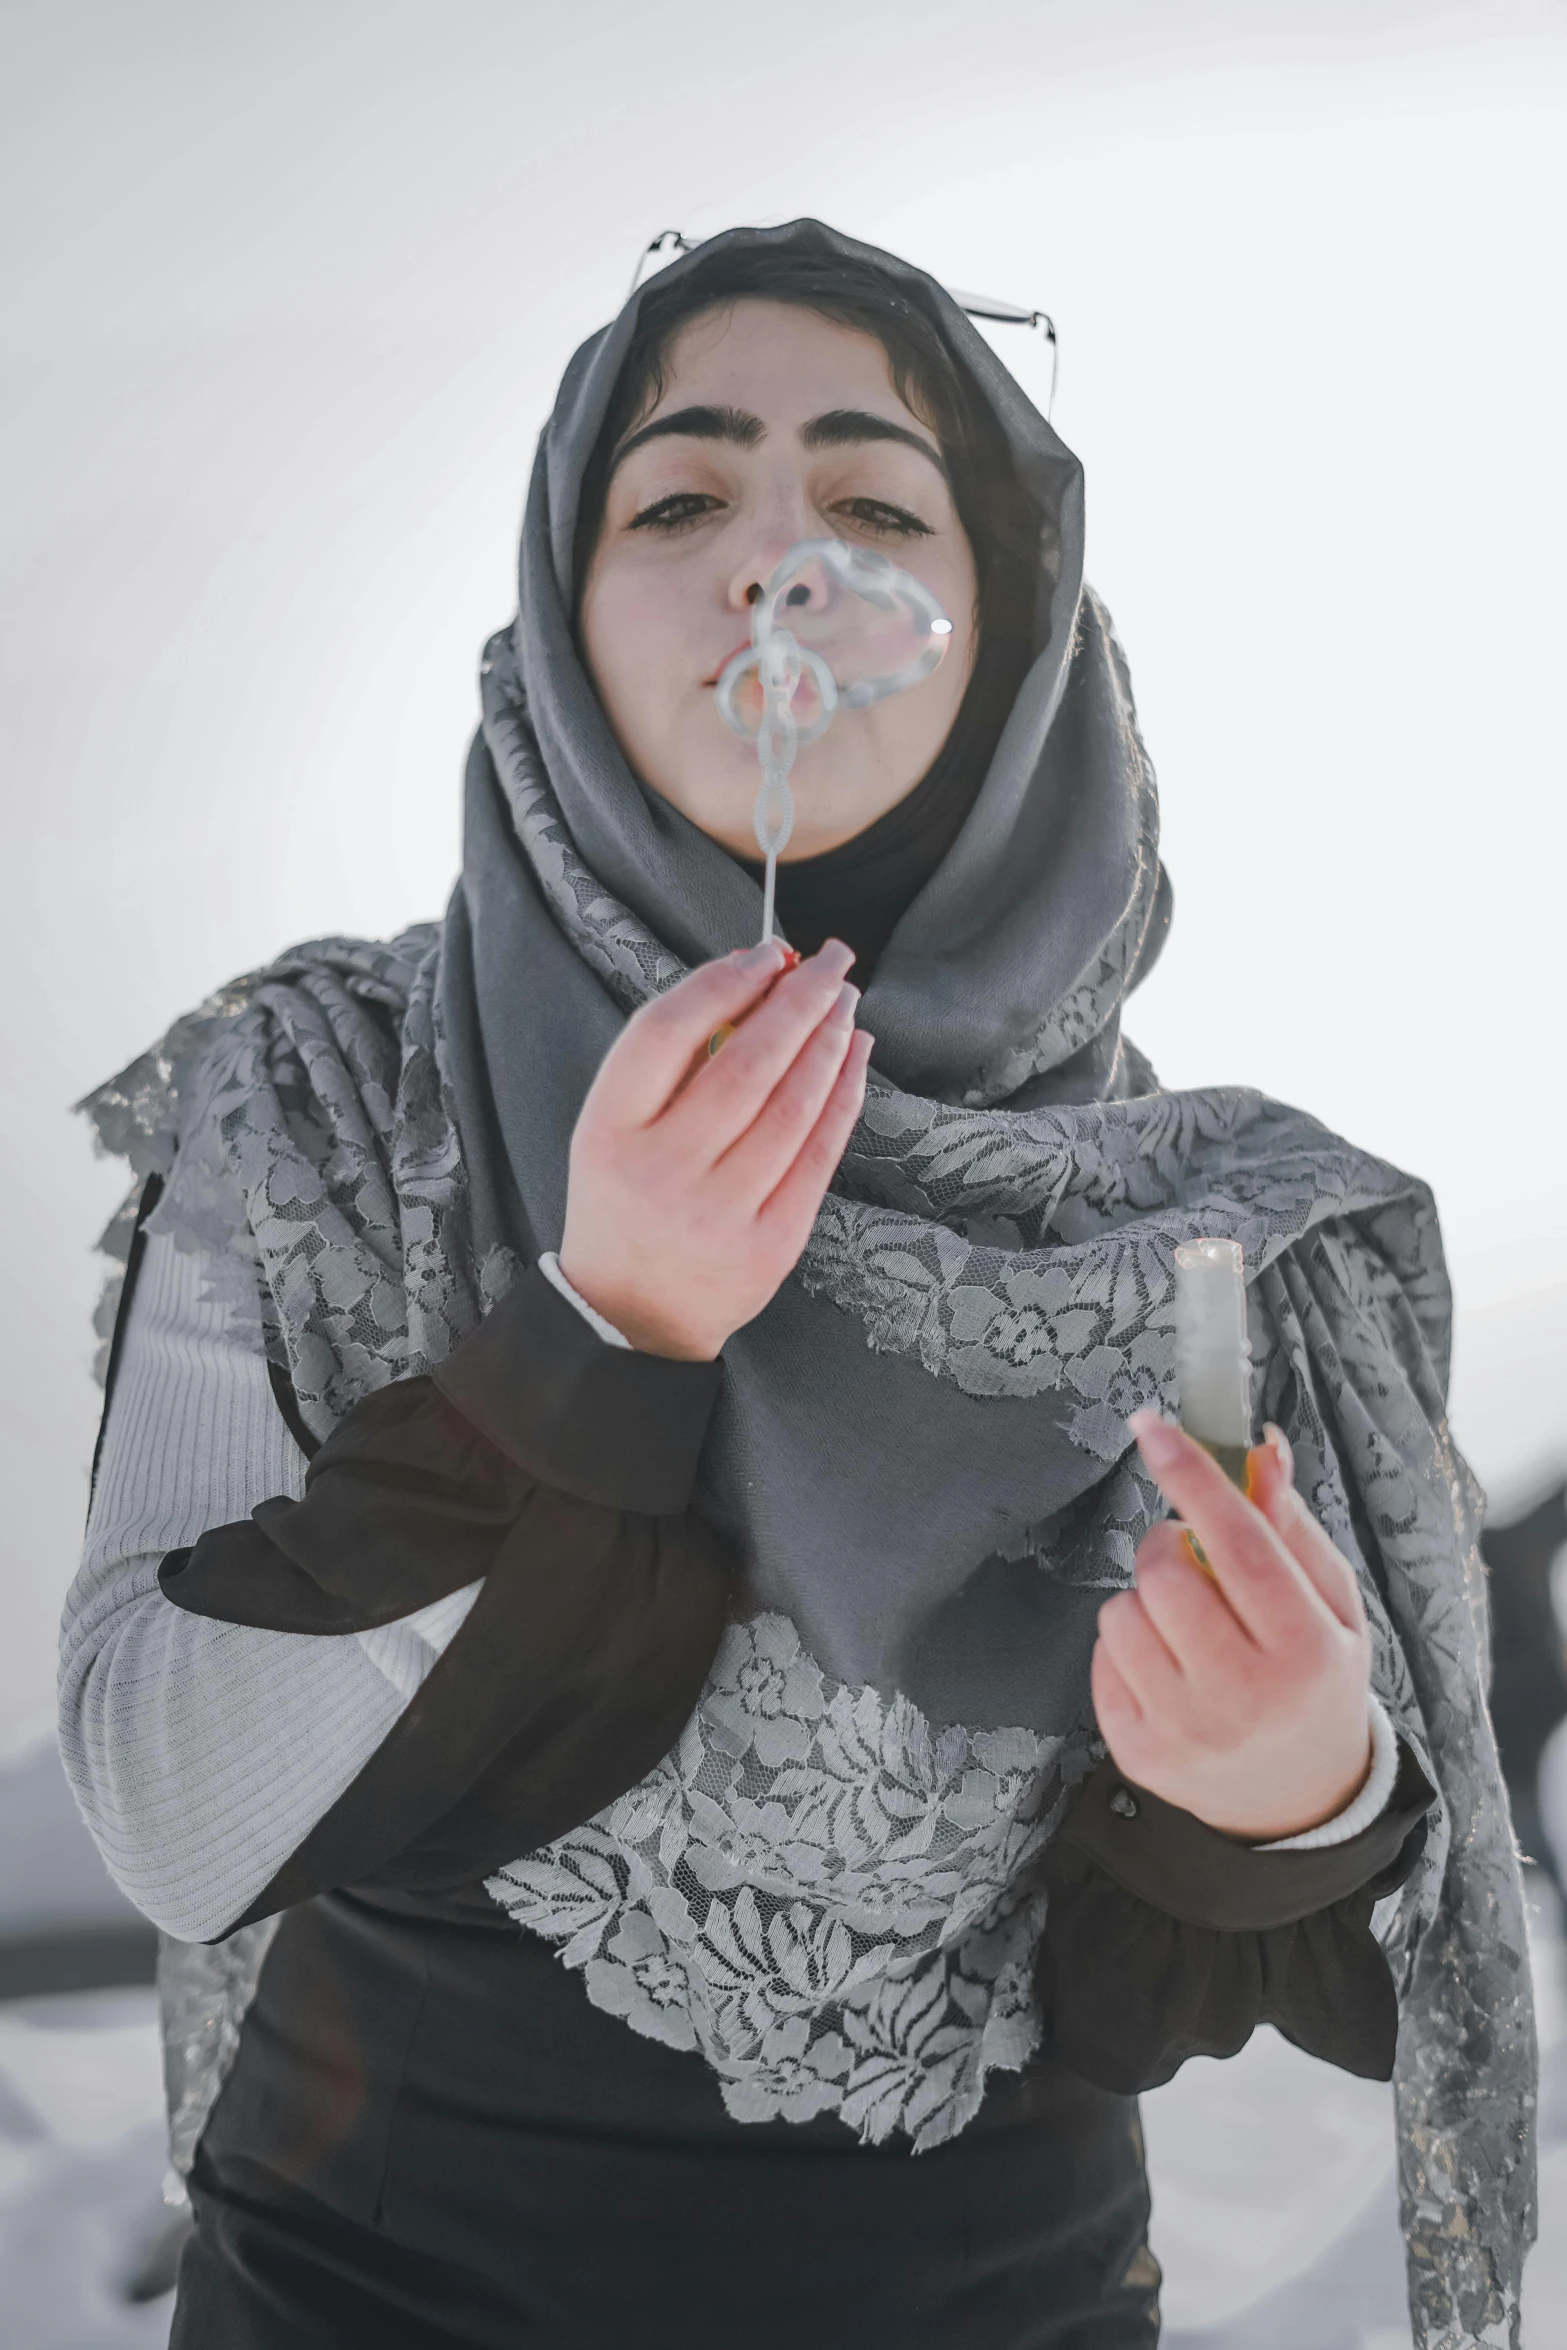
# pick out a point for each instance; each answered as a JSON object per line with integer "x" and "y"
{"x": 1275, "y": 2216}
{"x": 1273, "y": 2186}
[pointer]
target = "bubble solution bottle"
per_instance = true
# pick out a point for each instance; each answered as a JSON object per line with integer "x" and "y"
{"x": 1213, "y": 1351}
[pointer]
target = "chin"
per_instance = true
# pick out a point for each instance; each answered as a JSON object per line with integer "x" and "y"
{"x": 718, "y": 805}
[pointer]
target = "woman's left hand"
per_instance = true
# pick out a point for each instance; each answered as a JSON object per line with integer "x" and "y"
{"x": 1242, "y": 1695}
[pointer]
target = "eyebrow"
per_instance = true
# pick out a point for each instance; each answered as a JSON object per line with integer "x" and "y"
{"x": 837, "y": 428}
{"x": 697, "y": 424}
{"x": 842, "y": 426}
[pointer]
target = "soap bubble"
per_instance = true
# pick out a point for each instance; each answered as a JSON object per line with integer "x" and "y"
{"x": 863, "y": 630}
{"x": 835, "y": 628}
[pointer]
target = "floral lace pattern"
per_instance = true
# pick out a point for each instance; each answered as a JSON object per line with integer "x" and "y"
{"x": 204, "y": 1995}
{"x": 835, "y": 1903}
{"x": 307, "y": 1117}
{"x": 314, "y": 1161}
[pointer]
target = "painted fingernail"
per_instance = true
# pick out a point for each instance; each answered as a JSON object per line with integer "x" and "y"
{"x": 1274, "y": 1436}
{"x": 842, "y": 1013}
{"x": 1159, "y": 1441}
{"x": 1197, "y": 1555}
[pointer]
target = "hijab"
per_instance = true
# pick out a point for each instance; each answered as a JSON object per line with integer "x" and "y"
{"x": 919, "y": 1455}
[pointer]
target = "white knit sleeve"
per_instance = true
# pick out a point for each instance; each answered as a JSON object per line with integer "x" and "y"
{"x": 203, "y": 1753}
{"x": 549, "y": 1266}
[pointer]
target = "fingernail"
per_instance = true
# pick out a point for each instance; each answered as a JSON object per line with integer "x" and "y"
{"x": 1158, "y": 1440}
{"x": 792, "y": 958}
{"x": 857, "y": 1059}
{"x": 1197, "y": 1555}
{"x": 842, "y": 1013}
{"x": 1282, "y": 1448}
{"x": 770, "y": 952}
{"x": 835, "y": 958}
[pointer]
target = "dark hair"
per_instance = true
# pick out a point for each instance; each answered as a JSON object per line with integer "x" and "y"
{"x": 1008, "y": 534}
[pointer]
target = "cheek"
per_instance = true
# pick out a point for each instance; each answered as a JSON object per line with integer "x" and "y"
{"x": 630, "y": 637}
{"x": 959, "y": 591}
{"x": 950, "y": 682}
{"x": 948, "y": 571}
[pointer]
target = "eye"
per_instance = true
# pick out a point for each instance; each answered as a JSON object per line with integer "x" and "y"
{"x": 676, "y": 512}
{"x": 880, "y": 516}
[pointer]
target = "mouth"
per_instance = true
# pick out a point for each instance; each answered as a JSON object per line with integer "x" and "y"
{"x": 744, "y": 646}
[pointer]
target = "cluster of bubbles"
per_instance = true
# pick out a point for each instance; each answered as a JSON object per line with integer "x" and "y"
{"x": 835, "y": 628}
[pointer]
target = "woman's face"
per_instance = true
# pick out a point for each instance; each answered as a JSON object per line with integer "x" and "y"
{"x": 774, "y": 425}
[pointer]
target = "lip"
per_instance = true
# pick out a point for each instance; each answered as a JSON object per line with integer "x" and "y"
{"x": 744, "y": 646}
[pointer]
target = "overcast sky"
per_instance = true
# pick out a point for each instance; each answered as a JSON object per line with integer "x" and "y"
{"x": 287, "y": 290}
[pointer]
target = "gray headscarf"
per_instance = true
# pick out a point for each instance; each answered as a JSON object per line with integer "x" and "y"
{"x": 920, "y": 1451}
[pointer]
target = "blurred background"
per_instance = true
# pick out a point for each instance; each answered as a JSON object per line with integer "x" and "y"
{"x": 286, "y": 292}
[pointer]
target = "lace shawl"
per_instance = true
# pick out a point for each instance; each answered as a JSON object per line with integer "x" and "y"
{"x": 836, "y": 1902}
{"x": 832, "y": 1888}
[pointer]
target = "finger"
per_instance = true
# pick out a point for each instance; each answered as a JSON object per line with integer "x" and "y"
{"x": 1270, "y": 1486}
{"x": 725, "y": 1097}
{"x": 758, "y": 1162}
{"x": 1269, "y": 1594}
{"x": 1139, "y": 1654}
{"x": 720, "y": 1036}
{"x": 1120, "y": 1715}
{"x": 1188, "y": 1610}
{"x": 653, "y": 1053}
{"x": 791, "y": 1207}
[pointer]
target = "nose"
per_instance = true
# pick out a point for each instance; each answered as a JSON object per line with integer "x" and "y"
{"x": 746, "y": 582}
{"x": 765, "y": 552}
{"x": 743, "y": 591}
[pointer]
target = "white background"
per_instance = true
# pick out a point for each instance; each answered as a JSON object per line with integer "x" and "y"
{"x": 286, "y": 293}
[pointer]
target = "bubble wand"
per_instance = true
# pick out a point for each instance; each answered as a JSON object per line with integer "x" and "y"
{"x": 835, "y": 628}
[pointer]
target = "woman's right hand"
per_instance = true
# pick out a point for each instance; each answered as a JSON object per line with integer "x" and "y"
{"x": 695, "y": 1180}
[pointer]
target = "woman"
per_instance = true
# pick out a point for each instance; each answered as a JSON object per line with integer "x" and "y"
{"x": 723, "y": 1565}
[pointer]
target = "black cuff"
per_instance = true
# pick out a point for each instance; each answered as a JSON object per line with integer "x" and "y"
{"x": 1132, "y": 1993}
{"x": 601, "y": 1422}
{"x": 578, "y": 1667}
{"x": 1179, "y": 1865}
{"x": 405, "y": 1502}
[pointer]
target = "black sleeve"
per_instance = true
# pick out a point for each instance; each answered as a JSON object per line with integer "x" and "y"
{"x": 557, "y": 1469}
{"x": 1165, "y": 1939}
